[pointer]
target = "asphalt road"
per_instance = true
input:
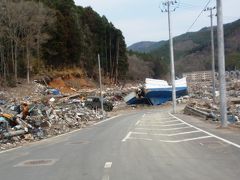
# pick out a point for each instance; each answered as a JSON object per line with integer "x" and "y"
{"x": 146, "y": 145}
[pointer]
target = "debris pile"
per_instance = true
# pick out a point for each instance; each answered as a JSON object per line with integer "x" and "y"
{"x": 43, "y": 119}
{"x": 45, "y": 112}
{"x": 201, "y": 99}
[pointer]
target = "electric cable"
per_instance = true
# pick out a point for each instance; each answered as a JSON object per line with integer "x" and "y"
{"x": 208, "y": 2}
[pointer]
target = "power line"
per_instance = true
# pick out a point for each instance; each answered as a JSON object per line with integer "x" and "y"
{"x": 199, "y": 15}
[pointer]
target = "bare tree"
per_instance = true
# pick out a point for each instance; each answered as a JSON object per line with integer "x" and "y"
{"x": 23, "y": 23}
{"x": 33, "y": 23}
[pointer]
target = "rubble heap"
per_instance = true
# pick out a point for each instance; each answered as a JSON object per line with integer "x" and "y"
{"x": 201, "y": 101}
{"x": 46, "y": 113}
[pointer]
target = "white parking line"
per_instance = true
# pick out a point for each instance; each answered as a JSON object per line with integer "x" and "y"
{"x": 210, "y": 134}
{"x": 127, "y": 136}
{"x": 172, "y": 141}
{"x": 169, "y": 135}
{"x": 137, "y": 122}
{"x": 185, "y": 140}
{"x": 160, "y": 119}
{"x": 170, "y": 129}
{"x": 145, "y": 139}
{"x": 159, "y": 122}
{"x": 165, "y": 118}
{"x": 168, "y": 125}
{"x": 164, "y": 124}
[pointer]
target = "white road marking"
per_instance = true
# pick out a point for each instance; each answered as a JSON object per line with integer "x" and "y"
{"x": 137, "y": 123}
{"x": 159, "y": 119}
{"x": 185, "y": 140}
{"x": 159, "y": 122}
{"x": 172, "y": 141}
{"x": 210, "y": 134}
{"x": 144, "y": 115}
{"x": 145, "y": 139}
{"x": 165, "y": 118}
{"x": 11, "y": 149}
{"x": 127, "y": 136}
{"x": 169, "y": 135}
{"x": 170, "y": 129}
{"x": 108, "y": 165}
{"x": 167, "y": 125}
{"x": 105, "y": 177}
{"x": 106, "y": 120}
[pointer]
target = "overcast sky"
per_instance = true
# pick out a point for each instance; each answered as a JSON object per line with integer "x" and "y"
{"x": 142, "y": 20}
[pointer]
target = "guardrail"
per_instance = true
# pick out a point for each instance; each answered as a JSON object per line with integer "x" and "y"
{"x": 192, "y": 111}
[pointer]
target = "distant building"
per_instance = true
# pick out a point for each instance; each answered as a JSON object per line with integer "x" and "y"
{"x": 198, "y": 80}
{"x": 198, "y": 76}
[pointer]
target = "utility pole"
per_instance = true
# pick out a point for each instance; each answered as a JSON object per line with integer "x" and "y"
{"x": 100, "y": 83}
{"x": 170, "y": 6}
{"x": 213, "y": 53}
{"x": 221, "y": 64}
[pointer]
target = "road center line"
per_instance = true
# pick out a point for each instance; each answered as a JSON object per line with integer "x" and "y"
{"x": 108, "y": 165}
{"x": 105, "y": 177}
{"x": 210, "y": 134}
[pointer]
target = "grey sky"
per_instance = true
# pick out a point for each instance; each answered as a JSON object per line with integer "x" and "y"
{"x": 142, "y": 20}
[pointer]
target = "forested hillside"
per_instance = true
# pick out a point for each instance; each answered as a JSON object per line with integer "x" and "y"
{"x": 193, "y": 50}
{"x": 145, "y": 46}
{"x": 145, "y": 65}
{"x": 41, "y": 35}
